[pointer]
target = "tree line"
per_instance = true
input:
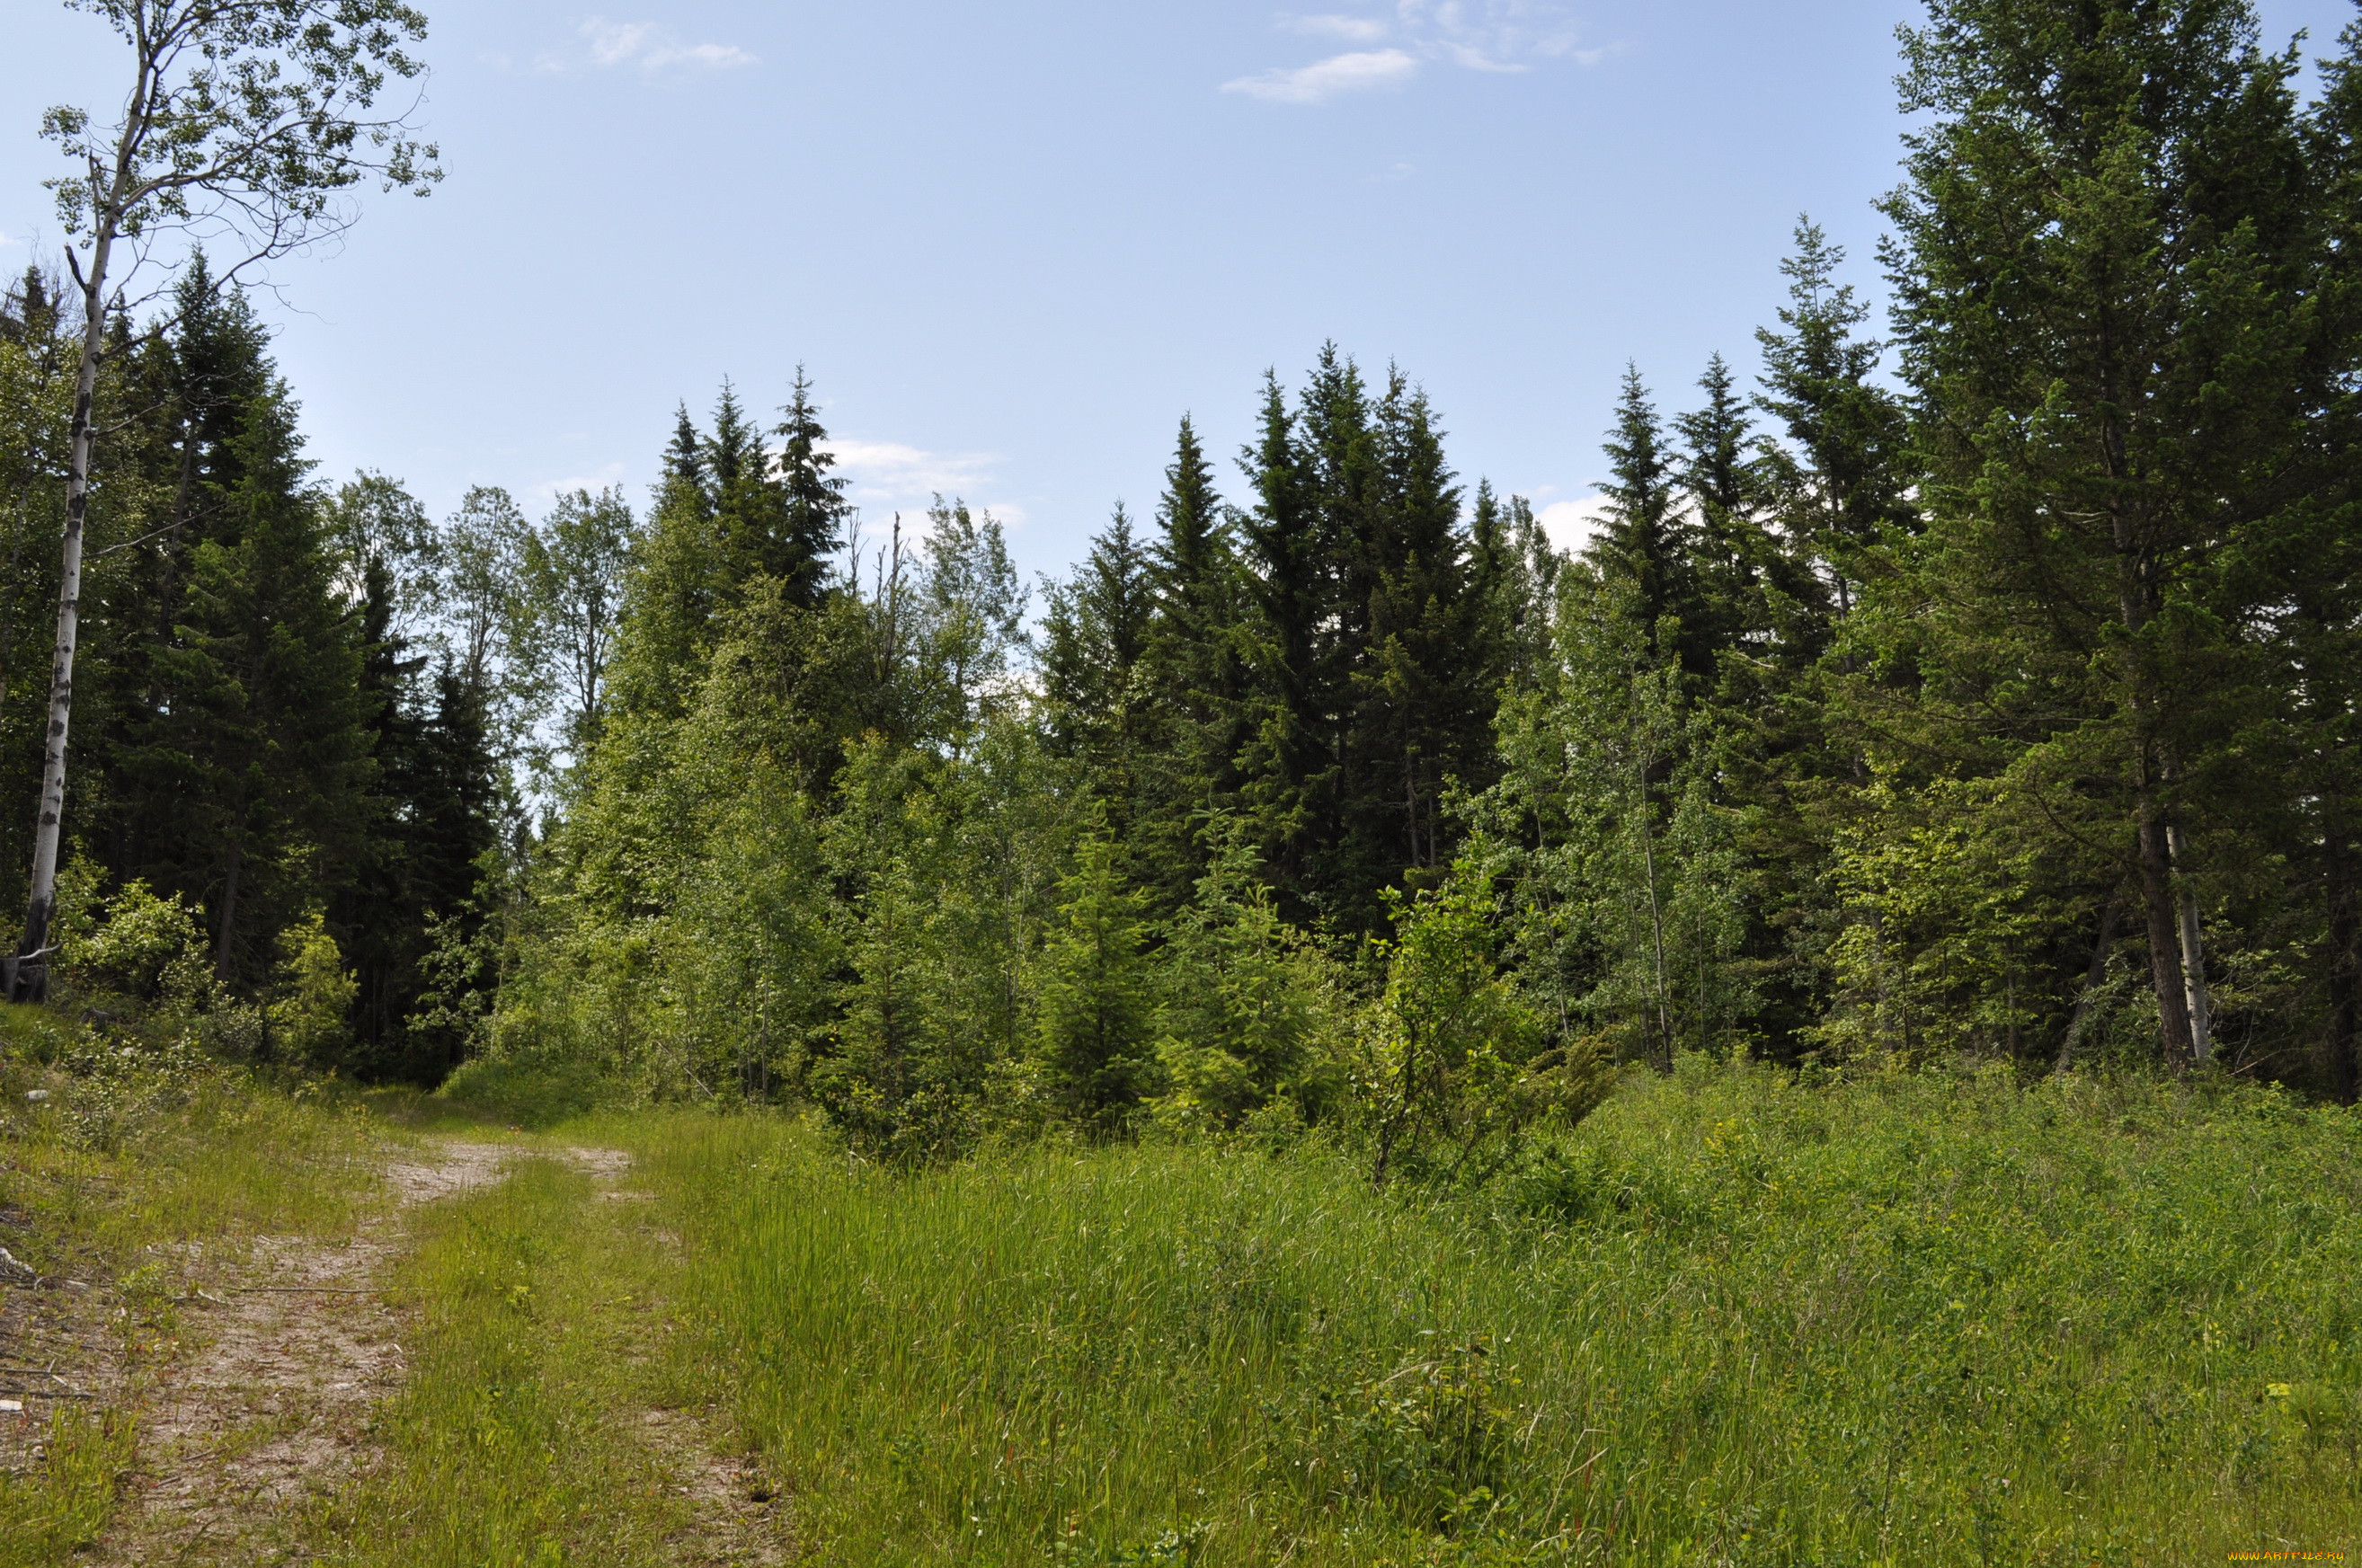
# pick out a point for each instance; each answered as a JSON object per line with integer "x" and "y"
{"x": 1983, "y": 690}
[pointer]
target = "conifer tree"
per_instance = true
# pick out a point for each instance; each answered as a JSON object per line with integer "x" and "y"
{"x": 1728, "y": 549}
{"x": 664, "y": 629}
{"x": 2316, "y": 570}
{"x": 1284, "y": 764}
{"x": 1095, "y": 633}
{"x": 1095, "y": 1006}
{"x": 256, "y": 760}
{"x": 1425, "y": 680}
{"x": 1192, "y": 675}
{"x": 1838, "y": 480}
{"x": 2103, "y": 273}
{"x": 813, "y": 511}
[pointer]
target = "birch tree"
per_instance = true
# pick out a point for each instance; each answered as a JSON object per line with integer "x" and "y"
{"x": 573, "y": 572}
{"x": 247, "y": 124}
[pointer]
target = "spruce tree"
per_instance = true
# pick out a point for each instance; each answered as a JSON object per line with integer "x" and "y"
{"x": 1285, "y": 766}
{"x": 671, "y": 586}
{"x": 1641, "y": 543}
{"x": 1729, "y": 548}
{"x": 256, "y": 760}
{"x": 1095, "y": 633}
{"x": 1095, "y": 1007}
{"x": 1838, "y": 480}
{"x": 813, "y": 511}
{"x": 1192, "y": 676}
{"x": 2104, "y": 273}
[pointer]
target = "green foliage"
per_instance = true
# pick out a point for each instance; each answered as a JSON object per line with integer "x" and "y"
{"x": 1934, "y": 1317}
{"x": 314, "y": 992}
{"x": 1455, "y": 1063}
{"x": 1252, "y": 1011}
{"x": 147, "y": 949}
{"x": 520, "y": 1093}
{"x": 1093, "y": 988}
{"x": 57, "y": 1511}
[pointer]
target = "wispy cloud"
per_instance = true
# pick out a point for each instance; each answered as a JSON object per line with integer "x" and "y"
{"x": 889, "y": 477}
{"x": 1352, "y": 29}
{"x": 1501, "y": 37}
{"x": 1324, "y": 80}
{"x": 645, "y": 46}
{"x": 607, "y": 474}
{"x": 891, "y": 468}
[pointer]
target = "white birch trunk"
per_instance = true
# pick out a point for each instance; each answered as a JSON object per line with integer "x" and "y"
{"x": 28, "y": 971}
{"x": 2193, "y": 960}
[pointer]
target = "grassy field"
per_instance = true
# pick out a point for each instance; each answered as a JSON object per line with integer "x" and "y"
{"x": 1913, "y": 1322}
{"x": 1735, "y": 1320}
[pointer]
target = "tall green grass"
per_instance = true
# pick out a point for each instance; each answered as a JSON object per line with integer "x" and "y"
{"x": 538, "y": 1346}
{"x": 1922, "y": 1320}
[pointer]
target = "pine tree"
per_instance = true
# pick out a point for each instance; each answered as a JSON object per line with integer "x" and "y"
{"x": 1192, "y": 677}
{"x": 671, "y": 586}
{"x": 1095, "y": 633}
{"x": 813, "y": 511}
{"x": 1838, "y": 481}
{"x": 1095, "y": 1008}
{"x": 1425, "y": 678}
{"x": 2104, "y": 267}
{"x": 1371, "y": 675}
{"x": 1285, "y": 764}
{"x": 256, "y": 760}
{"x": 1641, "y": 543}
{"x": 1729, "y": 550}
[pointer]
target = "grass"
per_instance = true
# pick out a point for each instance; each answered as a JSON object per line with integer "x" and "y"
{"x": 1920, "y": 1321}
{"x": 1915, "y": 1319}
{"x": 107, "y": 1150}
{"x": 539, "y": 1350}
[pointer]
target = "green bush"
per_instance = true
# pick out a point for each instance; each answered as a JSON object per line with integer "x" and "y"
{"x": 527, "y": 1092}
{"x": 1927, "y": 1318}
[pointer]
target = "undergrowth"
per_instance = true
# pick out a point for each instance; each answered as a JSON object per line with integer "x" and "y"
{"x": 1924, "y": 1320}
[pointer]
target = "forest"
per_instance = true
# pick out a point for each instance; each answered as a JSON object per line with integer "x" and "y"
{"x": 1818, "y": 1027}
{"x": 1974, "y": 686}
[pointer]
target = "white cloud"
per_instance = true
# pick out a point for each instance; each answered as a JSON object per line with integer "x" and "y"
{"x": 890, "y": 469}
{"x": 1570, "y": 524}
{"x": 1500, "y": 36}
{"x": 650, "y": 46}
{"x": 550, "y": 490}
{"x": 1323, "y": 80}
{"x": 8, "y": 240}
{"x": 1352, "y": 29}
{"x": 889, "y": 477}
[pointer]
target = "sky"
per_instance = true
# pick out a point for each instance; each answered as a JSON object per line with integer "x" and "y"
{"x": 1013, "y": 243}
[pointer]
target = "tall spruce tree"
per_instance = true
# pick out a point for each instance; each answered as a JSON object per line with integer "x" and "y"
{"x": 1372, "y": 671}
{"x": 1285, "y": 764}
{"x": 2103, "y": 264}
{"x": 1193, "y": 676}
{"x": 255, "y": 762}
{"x": 813, "y": 511}
{"x": 1095, "y": 633}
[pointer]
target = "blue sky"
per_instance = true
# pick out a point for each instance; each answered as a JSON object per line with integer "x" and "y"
{"x": 1013, "y": 243}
